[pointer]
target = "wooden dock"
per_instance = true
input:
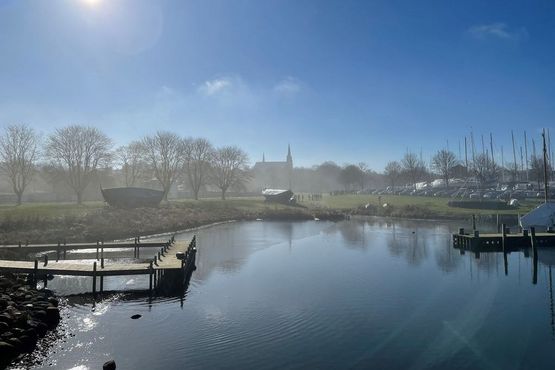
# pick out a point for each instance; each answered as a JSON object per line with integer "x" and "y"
{"x": 504, "y": 241}
{"x": 61, "y": 249}
{"x": 177, "y": 257}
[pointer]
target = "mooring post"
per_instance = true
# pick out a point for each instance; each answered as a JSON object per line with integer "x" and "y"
{"x": 473, "y": 222}
{"x": 498, "y": 225}
{"x": 45, "y": 259}
{"x": 35, "y": 273}
{"x": 20, "y": 244}
{"x": 102, "y": 262}
{"x": 102, "y": 249}
{"x": 101, "y": 284}
{"x": 94, "y": 279}
{"x": 503, "y": 236}
{"x": 65, "y": 250}
{"x": 97, "y": 249}
{"x": 150, "y": 269}
{"x": 534, "y": 254}
{"x": 58, "y": 252}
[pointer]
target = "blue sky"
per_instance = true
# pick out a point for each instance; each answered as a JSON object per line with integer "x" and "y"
{"x": 348, "y": 81}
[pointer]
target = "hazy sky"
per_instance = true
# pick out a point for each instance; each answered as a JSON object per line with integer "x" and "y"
{"x": 338, "y": 80}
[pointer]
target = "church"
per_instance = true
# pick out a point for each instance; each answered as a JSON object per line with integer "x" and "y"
{"x": 274, "y": 175}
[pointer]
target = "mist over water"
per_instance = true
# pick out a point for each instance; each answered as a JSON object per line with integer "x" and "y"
{"x": 354, "y": 294}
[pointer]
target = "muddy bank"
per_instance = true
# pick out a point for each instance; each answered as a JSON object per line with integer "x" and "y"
{"x": 111, "y": 223}
{"x": 26, "y": 315}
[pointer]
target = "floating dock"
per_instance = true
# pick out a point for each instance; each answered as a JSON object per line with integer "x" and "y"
{"x": 173, "y": 257}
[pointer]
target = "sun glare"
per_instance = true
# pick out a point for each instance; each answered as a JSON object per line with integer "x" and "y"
{"x": 91, "y": 3}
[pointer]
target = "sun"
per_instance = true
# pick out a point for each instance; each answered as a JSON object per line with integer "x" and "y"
{"x": 91, "y": 3}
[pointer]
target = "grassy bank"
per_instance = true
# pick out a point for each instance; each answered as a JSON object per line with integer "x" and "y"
{"x": 92, "y": 221}
{"x": 53, "y": 222}
{"x": 407, "y": 206}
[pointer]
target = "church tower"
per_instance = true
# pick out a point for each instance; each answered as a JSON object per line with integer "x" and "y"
{"x": 289, "y": 165}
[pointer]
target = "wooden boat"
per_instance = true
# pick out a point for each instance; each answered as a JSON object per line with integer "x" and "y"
{"x": 131, "y": 197}
{"x": 279, "y": 196}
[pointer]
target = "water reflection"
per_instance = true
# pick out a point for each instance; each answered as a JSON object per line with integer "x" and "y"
{"x": 360, "y": 293}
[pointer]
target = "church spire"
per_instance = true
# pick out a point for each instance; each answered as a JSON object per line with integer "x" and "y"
{"x": 289, "y": 157}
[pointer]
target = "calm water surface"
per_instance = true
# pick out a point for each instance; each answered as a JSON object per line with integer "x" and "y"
{"x": 355, "y": 294}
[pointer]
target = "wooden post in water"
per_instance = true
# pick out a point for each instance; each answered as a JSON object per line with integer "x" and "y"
{"x": 94, "y": 279}
{"x": 102, "y": 283}
{"x": 473, "y": 222}
{"x": 97, "y": 249}
{"x": 150, "y": 269}
{"x": 35, "y": 273}
{"x": 498, "y": 223}
{"x": 58, "y": 252}
{"x": 45, "y": 259}
{"x": 65, "y": 250}
{"x": 535, "y": 255}
{"x": 503, "y": 236}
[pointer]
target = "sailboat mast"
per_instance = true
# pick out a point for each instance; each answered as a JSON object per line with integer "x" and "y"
{"x": 544, "y": 165}
{"x": 526, "y": 152}
{"x": 491, "y": 147}
{"x": 514, "y": 156}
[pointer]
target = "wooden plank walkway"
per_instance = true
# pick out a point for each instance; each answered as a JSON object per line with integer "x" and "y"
{"x": 172, "y": 256}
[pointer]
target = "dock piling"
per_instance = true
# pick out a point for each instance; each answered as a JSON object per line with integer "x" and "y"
{"x": 94, "y": 279}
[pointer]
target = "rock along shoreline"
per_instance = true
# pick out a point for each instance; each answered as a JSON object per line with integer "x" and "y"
{"x": 26, "y": 315}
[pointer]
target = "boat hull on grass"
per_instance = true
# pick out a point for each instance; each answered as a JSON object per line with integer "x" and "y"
{"x": 131, "y": 197}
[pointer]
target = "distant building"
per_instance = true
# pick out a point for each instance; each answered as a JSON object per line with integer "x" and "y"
{"x": 275, "y": 175}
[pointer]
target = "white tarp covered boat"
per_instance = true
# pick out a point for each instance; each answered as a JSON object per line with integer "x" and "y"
{"x": 542, "y": 216}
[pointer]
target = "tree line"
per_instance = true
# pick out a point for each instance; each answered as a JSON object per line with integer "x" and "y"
{"x": 75, "y": 154}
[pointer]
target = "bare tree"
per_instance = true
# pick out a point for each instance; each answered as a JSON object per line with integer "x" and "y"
{"x": 536, "y": 170}
{"x": 164, "y": 155}
{"x": 393, "y": 172}
{"x": 443, "y": 163}
{"x": 199, "y": 155}
{"x": 229, "y": 168}
{"x": 18, "y": 153}
{"x": 131, "y": 160}
{"x": 78, "y": 151}
{"x": 485, "y": 170}
{"x": 413, "y": 167}
{"x": 351, "y": 175}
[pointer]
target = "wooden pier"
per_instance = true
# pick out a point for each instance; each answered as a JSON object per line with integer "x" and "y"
{"x": 173, "y": 257}
{"x": 504, "y": 241}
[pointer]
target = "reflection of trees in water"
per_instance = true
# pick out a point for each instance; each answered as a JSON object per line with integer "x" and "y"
{"x": 353, "y": 232}
{"x": 447, "y": 258}
{"x": 227, "y": 247}
{"x": 404, "y": 242}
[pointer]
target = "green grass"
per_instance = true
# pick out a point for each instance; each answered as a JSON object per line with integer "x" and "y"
{"x": 435, "y": 205}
